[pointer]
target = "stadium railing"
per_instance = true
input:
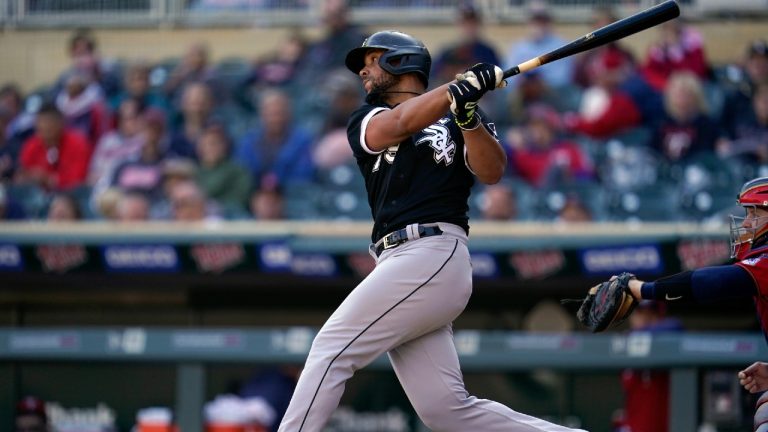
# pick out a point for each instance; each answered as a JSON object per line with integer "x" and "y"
{"x": 193, "y": 348}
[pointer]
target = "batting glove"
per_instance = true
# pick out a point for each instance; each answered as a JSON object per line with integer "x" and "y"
{"x": 464, "y": 97}
{"x": 484, "y": 77}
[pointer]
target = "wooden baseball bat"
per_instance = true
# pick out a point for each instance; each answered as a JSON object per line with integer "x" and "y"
{"x": 612, "y": 32}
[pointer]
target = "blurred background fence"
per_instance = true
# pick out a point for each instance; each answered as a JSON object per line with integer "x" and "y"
{"x": 148, "y": 13}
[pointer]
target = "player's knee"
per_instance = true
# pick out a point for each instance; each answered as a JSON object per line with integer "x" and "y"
{"x": 439, "y": 416}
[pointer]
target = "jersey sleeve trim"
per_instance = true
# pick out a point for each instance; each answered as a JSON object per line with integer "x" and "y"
{"x": 364, "y": 127}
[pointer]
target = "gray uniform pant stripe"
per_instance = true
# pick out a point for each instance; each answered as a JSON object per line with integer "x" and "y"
{"x": 317, "y": 390}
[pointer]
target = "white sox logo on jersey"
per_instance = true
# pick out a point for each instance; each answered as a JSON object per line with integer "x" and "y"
{"x": 439, "y": 138}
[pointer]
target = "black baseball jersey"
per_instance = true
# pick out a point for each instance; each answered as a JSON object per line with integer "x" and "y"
{"x": 424, "y": 179}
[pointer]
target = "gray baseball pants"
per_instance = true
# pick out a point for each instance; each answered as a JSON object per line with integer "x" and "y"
{"x": 405, "y": 308}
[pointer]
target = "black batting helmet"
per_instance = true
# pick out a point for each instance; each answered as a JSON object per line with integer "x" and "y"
{"x": 404, "y": 54}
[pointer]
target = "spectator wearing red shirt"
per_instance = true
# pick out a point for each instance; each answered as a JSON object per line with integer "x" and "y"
{"x": 55, "y": 157}
{"x": 606, "y": 109}
{"x": 680, "y": 48}
{"x": 539, "y": 154}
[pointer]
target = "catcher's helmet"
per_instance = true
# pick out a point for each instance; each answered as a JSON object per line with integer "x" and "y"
{"x": 404, "y": 54}
{"x": 749, "y": 232}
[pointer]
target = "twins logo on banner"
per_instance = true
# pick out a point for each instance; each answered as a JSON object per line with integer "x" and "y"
{"x": 700, "y": 253}
{"x": 537, "y": 264}
{"x": 61, "y": 258}
{"x": 216, "y": 258}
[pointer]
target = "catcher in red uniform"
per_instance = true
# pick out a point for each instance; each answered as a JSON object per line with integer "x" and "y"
{"x": 612, "y": 301}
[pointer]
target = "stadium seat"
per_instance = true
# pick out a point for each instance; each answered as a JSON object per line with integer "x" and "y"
{"x": 631, "y": 168}
{"x": 715, "y": 97}
{"x": 654, "y": 203}
{"x": 346, "y": 176}
{"x": 549, "y": 201}
{"x": 301, "y": 200}
{"x": 161, "y": 71}
{"x": 32, "y": 199}
{"x": 35, "y": 98}
{"x": 82, "y": 194}
{"x": 343, "y": 204}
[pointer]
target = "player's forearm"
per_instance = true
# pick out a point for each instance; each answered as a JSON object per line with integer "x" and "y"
{"x": 485, "y": 156}
{"x": 704, "y": 285}
{"x": 417, "y": 113}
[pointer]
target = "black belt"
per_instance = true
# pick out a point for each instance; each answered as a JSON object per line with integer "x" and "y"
{"x": 396, "y": 238}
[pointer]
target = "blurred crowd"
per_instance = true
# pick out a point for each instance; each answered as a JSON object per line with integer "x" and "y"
{"x": 610, "y": 134}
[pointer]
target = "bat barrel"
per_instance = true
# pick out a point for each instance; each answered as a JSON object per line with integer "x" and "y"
{"x": 612, "y": 32}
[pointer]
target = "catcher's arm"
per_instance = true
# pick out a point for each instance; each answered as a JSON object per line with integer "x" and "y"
{"x": 635, "y": 288}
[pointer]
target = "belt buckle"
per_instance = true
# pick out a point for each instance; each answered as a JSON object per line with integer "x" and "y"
{"x": 387, "y": 244}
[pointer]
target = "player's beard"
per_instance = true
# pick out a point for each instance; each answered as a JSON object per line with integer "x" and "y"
{"x": 379, "y": 89}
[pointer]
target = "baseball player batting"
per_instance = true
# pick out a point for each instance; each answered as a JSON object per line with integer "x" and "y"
{"x": 419, "y": 152}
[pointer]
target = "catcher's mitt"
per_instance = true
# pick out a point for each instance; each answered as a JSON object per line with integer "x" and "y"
{"x": 607, "y": 304}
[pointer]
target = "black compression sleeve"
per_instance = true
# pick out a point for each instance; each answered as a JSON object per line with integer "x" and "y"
{"x": 704, "y": 285}
{"x": 675, "y": 287}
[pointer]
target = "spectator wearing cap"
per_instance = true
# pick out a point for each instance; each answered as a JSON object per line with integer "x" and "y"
{"x": 541, "y": 38}
{"x": 221, "y": 178}
{"x": 469, "y": 49}
{"x": 738, "y": 102}
{"x": 30, "y": 416}
{"x": 605, "y": 109}
{"x": 539, "y": 153}
{"x": 56, "y": 157}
